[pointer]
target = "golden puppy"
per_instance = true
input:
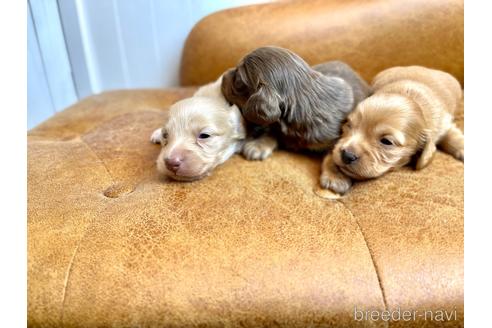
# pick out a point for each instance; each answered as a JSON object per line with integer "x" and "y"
{"x": 410, "y": 113}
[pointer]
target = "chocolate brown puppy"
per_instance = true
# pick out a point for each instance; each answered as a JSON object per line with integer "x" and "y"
{"x": 276, "y": 88}
{"x": 410, "y": 113}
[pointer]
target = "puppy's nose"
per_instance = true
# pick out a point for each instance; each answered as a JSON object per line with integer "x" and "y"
{"x": 348, "y": 157}
{"x": 173, "y": 163}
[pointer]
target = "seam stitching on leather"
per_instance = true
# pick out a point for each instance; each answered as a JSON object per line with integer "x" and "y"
{"x": 383, "y": 294}
{"x": 72, "y": 260}
{"x": 70, "y": 265}
{"x": 99, "y": 158}
{"x": 69, "y": 271}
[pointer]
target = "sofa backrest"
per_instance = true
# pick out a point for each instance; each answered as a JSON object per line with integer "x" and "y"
{"x": 369, "y": 35}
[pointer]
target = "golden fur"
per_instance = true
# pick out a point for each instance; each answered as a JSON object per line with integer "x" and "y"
{"x": 410, "y": 113}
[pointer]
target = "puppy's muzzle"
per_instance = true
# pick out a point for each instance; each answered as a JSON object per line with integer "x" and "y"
{"x": 173, "y": 163}
{"x": 349, "y": 157}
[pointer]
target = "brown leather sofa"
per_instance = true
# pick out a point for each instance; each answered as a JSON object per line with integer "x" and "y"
{"x": 110, "y": 244}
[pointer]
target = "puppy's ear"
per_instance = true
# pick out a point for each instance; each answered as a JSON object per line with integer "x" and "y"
{"x": 157, "y": 135}
{"x": 263, "y": 106}
{"x": 238, "y": 81}
{"x": 237, "y": 122}
{"x": 226, "y": 85}
{"x": 427, "y": 153}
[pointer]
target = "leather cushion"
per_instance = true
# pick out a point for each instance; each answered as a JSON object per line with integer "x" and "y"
{"x": 112, "y": 244}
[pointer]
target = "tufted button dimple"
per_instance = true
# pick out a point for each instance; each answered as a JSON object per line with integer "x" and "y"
{"x": 118, "y": 189}
{"x": 69, "y": 137}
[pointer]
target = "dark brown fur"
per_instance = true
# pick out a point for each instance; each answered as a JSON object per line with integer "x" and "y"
{"x": 275, "y": 87}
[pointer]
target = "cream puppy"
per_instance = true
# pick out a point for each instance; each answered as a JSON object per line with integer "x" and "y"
{"x": 410, "y": 113}
{"x": 200, "y": 133}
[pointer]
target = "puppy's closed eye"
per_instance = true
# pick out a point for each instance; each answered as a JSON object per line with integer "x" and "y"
{"x": 386, "y": 141}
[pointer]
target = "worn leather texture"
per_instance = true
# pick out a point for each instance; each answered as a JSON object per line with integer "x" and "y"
{"x": 369, "y": 35}
{"x": 111, "y": 244}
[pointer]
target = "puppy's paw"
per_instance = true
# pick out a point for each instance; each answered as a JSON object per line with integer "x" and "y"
{"x": 335, "y": 182}
{"x": 453, "y": 143}
{"x": 460, "y": 155}
{"x": 156, "y": 136}
{"x": 254, "y": 152}
{"x": 258, "y": 149}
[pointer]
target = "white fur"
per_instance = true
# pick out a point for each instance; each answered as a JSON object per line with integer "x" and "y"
{"x": 207, "y": 111}
{"x": 156, "y": 136}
